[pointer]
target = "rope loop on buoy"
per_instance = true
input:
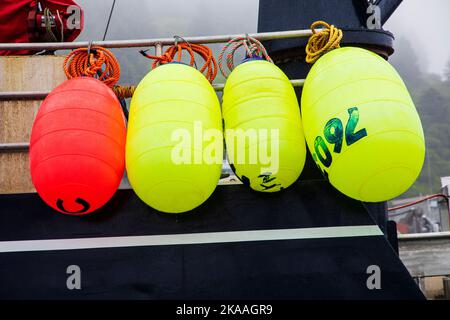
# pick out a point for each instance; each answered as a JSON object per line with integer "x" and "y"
{"x": 175, "y": 53}
{"x": 124, "y": 92}
{"x": 99, "y": 63}
{"x": 94, "y": 61}
{"x": 253, "y": 48}
{"x": 322, "y": 41}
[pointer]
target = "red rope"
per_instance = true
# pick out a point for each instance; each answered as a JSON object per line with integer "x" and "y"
{"x": 419, "y": 201}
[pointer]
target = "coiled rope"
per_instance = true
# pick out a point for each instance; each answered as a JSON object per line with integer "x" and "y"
{"x": 322, "y": 41}
{"x": 175, "y": 53}
{"x": 95, "y": 62}
{"x": 124, "y": 91}
{"x": 99, "y": 63}
{"x": 253, "y": 48}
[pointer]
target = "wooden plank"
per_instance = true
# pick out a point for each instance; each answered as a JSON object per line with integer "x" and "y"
{"x": 426, "y": 255}
{"x": 22, "y": 73}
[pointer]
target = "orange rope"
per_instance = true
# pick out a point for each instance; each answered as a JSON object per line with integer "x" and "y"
{"x": 124, "y": 91}
{"x": 100, "y": 63}
{"x": 209, "y": 68}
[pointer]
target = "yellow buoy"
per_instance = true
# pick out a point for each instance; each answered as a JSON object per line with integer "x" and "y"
{"x": 174, "y": 144}
{"x": 361, "y": 125}
{"x": 263, "y": 129}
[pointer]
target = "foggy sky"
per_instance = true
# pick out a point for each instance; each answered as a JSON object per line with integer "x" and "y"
{"x": 423, "y": 23}
{"x": 163, "y": 18}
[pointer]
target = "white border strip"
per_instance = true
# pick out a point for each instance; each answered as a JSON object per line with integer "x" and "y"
{"x": 189, "y": 238}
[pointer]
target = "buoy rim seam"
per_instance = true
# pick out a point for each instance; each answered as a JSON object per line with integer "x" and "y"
{"x": 79, "y": 155}
{"x": 284, "y": 168}
{"x": 299, "y": 139}
{"x": 268, "y": 116}
{"x": 400, "y": 102}
{"x": 355, "y": 81}
{"x": 226, "y": 110}
{"x": 56, "y": 92}
{"x": 205, "y": 87}
{"x": 234, "y": 86}
{"x": 188, "y": 182}
{"x": 377, "y": 173}
{"x": 136, "y": 130}
{"x": 246, "y": 64}
{"x": 167, "y": 147}
{"x": 34, "y": 141}
{"x": 369, "y": 56}
{"x": 122, "y": 124}
{"x": 330, "y": 172}
{"x": 146, "y": 106}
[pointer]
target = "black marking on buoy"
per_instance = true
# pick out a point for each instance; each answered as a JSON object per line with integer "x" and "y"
{"x": 84, "y": 203}
{"x": 242, "y": 179}
{"x": 267, "y": 177}
{"x": 245, "y": 180}
{"x": 269, "y": 187}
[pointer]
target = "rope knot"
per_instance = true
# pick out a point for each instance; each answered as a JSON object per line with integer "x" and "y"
{"x": 322, "y": 41}
{"x": 163, "y": 59}
{"x": 124, "y": 92}
{"x": 253, "y": 48}
{"x": 97, "y": 62}
{"x": 209, "y": 68}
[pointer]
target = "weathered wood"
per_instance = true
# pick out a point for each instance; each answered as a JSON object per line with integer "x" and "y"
{"x": 24, "y": 73}
{"x": 426, "y": 255}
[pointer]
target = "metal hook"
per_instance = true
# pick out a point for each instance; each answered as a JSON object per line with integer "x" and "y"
{"x": 89, "y": 53}
{"x": 248, "y": 45}
{"x": 89, "y": 48}
{"x": 179, "y": 38}
{"x": 184, "y": 40}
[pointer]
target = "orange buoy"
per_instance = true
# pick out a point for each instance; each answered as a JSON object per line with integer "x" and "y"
{"x": 77, "y": 147}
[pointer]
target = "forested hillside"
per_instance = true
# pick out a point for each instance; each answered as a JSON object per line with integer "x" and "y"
{"x": 431, "y": 95}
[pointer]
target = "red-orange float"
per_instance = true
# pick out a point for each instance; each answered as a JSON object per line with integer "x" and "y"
{"x": 77, "y": 147}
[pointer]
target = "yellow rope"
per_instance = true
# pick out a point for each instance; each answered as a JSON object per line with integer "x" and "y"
{"x": 322, "y": 41}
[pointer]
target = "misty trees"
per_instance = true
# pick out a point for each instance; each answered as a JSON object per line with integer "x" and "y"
{"x": 407, "y": 64}
{"x": 447, "y": 72}
{"x": 431, "y": 96}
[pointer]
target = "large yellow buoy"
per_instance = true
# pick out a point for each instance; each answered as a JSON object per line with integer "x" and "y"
{"x": 263, "y": 128}
{"x": 361, "y": 125}
{"x": 174, "y": 144}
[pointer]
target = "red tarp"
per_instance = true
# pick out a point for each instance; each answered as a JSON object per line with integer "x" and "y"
{"x": 14, "y": 26}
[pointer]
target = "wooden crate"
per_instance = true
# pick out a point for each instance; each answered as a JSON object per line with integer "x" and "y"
{"x": 22, "y": 73}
